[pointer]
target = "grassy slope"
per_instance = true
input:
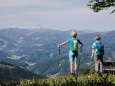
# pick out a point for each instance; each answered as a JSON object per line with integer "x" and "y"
{"x": 84, "y": 80}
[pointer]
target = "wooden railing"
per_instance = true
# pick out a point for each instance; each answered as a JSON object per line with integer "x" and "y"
{"x": 109, "y": 67}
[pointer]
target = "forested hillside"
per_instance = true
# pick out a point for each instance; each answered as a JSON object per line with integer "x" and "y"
{"x": 36, "y": 50}
{"x": 11, "y": 73}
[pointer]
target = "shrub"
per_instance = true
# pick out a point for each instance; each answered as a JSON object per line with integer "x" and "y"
{"x": 86, "y": 71}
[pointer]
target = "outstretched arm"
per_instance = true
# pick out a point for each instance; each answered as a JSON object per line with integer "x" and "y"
{"x": 62, "y": 44}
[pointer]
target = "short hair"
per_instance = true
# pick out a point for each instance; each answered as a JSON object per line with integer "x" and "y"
{"x": 74, "y": 34}
{"x": 98, "y": 37}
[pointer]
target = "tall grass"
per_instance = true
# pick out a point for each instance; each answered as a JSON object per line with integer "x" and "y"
{"x": 85, "y": 80}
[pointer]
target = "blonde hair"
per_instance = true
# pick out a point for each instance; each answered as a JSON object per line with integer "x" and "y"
{"x": 97, "y": 37}
{"x": 74, "y": 34}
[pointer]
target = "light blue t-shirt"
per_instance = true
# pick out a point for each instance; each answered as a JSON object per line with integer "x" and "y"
{"x": 73, "y": 43}
{"x": 98, "y": 47}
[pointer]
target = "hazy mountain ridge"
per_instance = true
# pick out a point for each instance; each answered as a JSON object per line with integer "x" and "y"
{"x": 36, "y": 50}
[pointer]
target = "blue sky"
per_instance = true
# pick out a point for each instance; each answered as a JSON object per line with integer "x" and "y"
{"x": 54, "y": 14}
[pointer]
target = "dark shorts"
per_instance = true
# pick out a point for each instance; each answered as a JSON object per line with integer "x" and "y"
{"x": 99, "y": 57}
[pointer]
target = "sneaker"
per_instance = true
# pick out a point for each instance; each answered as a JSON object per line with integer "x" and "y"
{"x": 72, "y": 73}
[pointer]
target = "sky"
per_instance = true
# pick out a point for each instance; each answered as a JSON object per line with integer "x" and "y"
{"x": 54, "y": 14}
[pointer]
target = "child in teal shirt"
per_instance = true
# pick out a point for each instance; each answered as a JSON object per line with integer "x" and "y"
{"x": 73, "y": 52}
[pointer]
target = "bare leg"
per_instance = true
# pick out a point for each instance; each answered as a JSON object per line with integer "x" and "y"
{"x": 76, "y": 68}
{"x": 71, "y": 67}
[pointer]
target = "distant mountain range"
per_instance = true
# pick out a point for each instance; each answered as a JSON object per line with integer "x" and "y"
{"x": 36, "y": 50}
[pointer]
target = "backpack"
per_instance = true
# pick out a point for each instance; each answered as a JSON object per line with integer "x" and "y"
{"x": 99, "y": 48}
{"x": 75, "y": 45}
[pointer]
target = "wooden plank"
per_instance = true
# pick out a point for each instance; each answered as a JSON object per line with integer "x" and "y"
{"x": 109, "y": 69}
{"x": 109, "y": 63}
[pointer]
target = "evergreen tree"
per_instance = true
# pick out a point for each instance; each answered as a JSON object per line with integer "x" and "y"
{"x": 98, "y": 5}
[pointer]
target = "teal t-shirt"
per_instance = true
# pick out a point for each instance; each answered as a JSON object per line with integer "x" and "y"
{"x": 98, "y": 47}
{"x": 73, "y": 43}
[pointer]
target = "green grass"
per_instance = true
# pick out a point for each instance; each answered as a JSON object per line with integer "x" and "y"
{"x": 83, "y": 80}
